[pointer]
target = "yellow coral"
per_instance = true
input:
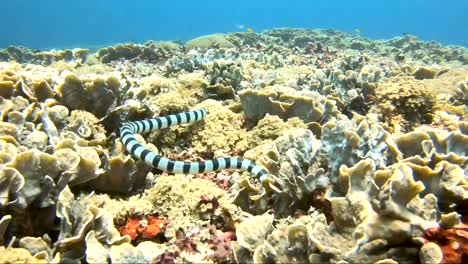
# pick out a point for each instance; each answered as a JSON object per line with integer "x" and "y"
{"x": 221, "y": 130}
{"x": 18, "y": 255}
{"x": 269, "y": 128}
{"x": 171, "y": 103}
{"x": 405, "y": 96}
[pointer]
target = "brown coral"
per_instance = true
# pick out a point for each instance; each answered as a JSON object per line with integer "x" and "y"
{"x": 406, "y": 97}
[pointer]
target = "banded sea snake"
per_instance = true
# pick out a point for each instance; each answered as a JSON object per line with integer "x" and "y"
{"x": 128, "y": 130}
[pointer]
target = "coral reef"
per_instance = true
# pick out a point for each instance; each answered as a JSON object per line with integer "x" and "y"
{"x": 25, "y": 55}
{"x": 221, "y": 132}
{"x": 286, "y": 103}
{"x": 147, "y": 227}
{"x": 96, "y": 95}
{"x": 150, "y": 51}
{"x": 406, "y": 98}
{"x": 446, "y": 245}
{"x": 366, "y": 143}
{"x": 209, "y": 41}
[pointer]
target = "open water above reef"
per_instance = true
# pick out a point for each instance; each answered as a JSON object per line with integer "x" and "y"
{"x": 90, "y": 23}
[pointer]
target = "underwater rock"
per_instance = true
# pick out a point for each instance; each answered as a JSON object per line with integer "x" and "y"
{"x": 424, "y": 73}
{"x": 431, "y": 253}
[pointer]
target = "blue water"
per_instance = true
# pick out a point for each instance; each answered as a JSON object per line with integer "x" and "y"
{"x": 65, "y": 24}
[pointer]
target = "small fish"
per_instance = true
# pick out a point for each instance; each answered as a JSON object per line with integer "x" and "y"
{"x": 241, "y": 27}
{"x": 250, "y": 30}
{"x": 357, "y": 31}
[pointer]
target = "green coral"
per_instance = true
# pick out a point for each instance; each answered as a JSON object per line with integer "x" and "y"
{"x": 209, "y": 41}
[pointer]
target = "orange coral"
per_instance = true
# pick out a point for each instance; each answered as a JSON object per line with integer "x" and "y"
{"x": 453, "y": 242}
{"x": 147, "y": 227}
{"x": 153, "y": 228}
{"x": 130, "y": 228}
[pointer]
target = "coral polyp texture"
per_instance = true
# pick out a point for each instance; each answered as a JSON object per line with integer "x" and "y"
{"x": 309, "y": 146}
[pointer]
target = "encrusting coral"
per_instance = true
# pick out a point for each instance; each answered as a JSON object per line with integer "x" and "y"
{"x": 406, "y": 97}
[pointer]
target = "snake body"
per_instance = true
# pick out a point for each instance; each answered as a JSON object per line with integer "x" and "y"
{"x": 128, "y": 130}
